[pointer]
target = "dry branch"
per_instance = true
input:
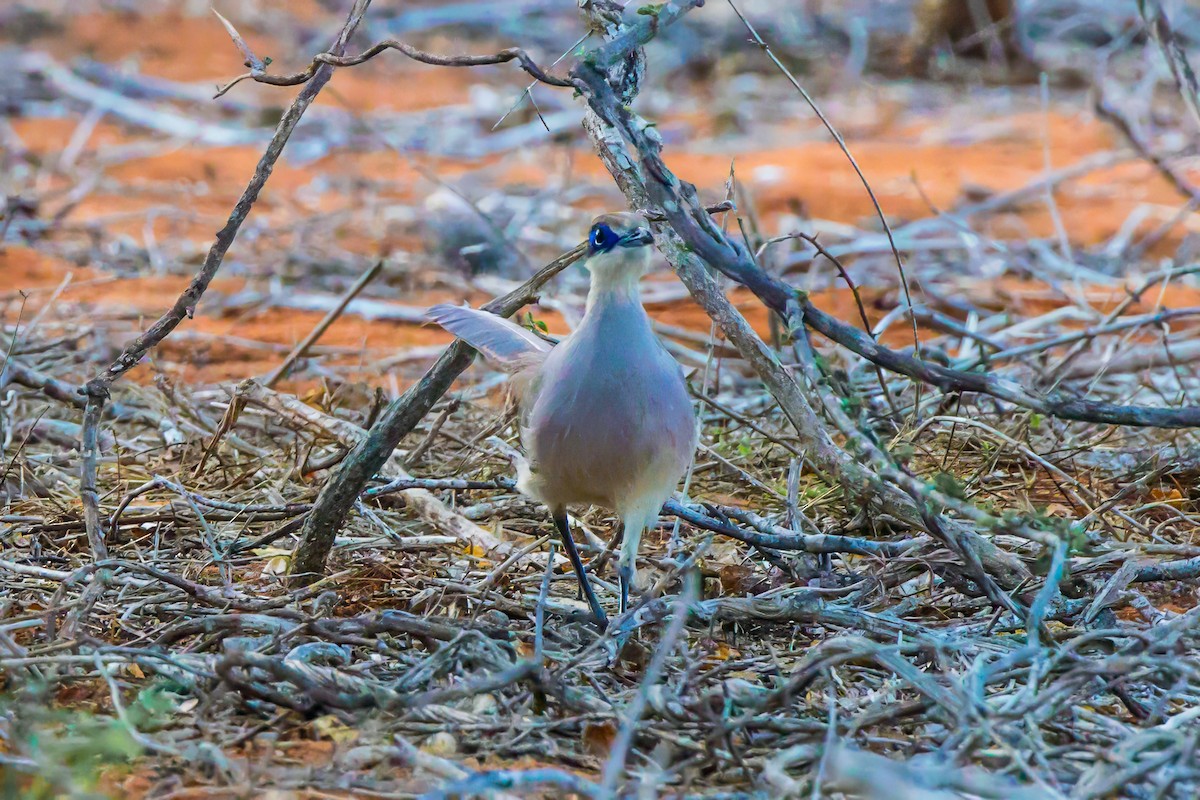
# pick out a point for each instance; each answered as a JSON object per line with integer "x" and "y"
{"x": 340, "y": 492}
{"x": 46, "y": 384}
{"x": 259, "y": 74}
{"x": 1168, "y": 42}
{"x": 97, "y": 389}
{"x": 1106, "y": 110}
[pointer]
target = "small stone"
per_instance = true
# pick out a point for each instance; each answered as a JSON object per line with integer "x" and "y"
{"x": 484, "y": 704}
{"x": 441, "y": 744}
{"x": 495, "y": 618}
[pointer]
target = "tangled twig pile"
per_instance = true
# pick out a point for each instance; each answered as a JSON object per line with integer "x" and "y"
{"x": 962, "y": 563}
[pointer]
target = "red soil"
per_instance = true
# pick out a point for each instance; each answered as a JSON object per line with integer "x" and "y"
{"x": 191, "y": 190}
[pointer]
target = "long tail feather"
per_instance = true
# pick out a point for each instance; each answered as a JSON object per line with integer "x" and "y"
{"x": 505, "y": 344}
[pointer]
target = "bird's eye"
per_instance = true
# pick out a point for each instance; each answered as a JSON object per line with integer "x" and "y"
{"x": 601, "y": 237}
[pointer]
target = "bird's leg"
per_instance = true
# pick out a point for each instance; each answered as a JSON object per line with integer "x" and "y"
{"x": 627, "y": 567}
{"x": 600, "y": 561}
{"x": 564, "y": 531}
{"x": 624, "y": 577}
{"x": 617, "y": 540}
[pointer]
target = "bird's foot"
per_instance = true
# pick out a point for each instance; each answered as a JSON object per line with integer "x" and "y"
{"x": 585, "y": 586}
{"x": 625, "y": 581}
{"x": 625, "y": 651}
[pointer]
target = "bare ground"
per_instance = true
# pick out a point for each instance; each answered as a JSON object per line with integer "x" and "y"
{"x": 441, "y": 655}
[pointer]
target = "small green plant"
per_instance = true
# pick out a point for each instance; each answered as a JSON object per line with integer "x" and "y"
{"x": 57, "y": 753}
{"x": 532, "y": 323}
{"x": 948, "y": 485}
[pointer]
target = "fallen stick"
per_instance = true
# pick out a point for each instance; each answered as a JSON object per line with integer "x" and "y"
{"x": 285, "y": 366}
{"x": 422, "y": 501}
{"x": 130, "y": 110}
{"x": 307, "y": 301}
{"x": 97, "y": 389}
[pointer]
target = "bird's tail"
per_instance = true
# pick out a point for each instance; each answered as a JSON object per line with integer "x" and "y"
{"x": 506, "y": 345}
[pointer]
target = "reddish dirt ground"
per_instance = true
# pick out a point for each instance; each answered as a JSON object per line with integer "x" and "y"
{"x": 911, "y": 163}
{"x": 917, "y": 162}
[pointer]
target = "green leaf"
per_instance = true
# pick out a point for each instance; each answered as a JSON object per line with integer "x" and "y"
{"x": 531, "y": 322}
{"x": 651, "y": 9}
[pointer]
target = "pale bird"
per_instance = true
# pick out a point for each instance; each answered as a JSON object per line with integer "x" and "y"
{"x": 605, "y": 416}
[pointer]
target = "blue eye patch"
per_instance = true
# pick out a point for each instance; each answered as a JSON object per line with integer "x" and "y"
{"x": 602, "y": 239}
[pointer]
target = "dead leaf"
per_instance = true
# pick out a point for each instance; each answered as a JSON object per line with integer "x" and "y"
{"x": 442, "y": 744}
{"x": 739, "y": 580}
{"x": 598, "y": 737}
{"x": 277, "y": 565}
{"x": 1171, "y": 496}
{"x": 725, "y": 653}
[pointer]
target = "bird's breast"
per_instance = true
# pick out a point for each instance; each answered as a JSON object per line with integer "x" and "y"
{"x": 611, "y": 418}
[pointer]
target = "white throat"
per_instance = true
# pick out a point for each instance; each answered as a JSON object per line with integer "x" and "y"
{"x": 615, "y": 274}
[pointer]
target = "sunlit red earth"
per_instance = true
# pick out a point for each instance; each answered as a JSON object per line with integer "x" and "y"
{"x": 912, "y": 159}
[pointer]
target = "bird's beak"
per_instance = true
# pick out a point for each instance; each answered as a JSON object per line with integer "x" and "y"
{"x": 638, "y": 237}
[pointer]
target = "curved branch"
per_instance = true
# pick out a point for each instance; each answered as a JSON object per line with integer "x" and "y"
{"x": 260, "y": 75}
{"x": 682, "y": 211}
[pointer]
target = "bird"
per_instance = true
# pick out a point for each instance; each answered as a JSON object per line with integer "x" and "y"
{"x": 605, "y": 416}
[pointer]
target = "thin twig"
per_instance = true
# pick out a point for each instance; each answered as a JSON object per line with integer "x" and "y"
{"x": 285, "y": 367}
{"x": 841, "y": 143}
{"x": 334, "y": 59}
{"x": 614, "y": 767}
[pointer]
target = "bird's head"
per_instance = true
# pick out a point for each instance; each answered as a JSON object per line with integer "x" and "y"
{"x": 617, "y": 249}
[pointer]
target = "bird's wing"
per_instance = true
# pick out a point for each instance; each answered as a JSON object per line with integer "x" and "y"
{"x": 506, "y": 345}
